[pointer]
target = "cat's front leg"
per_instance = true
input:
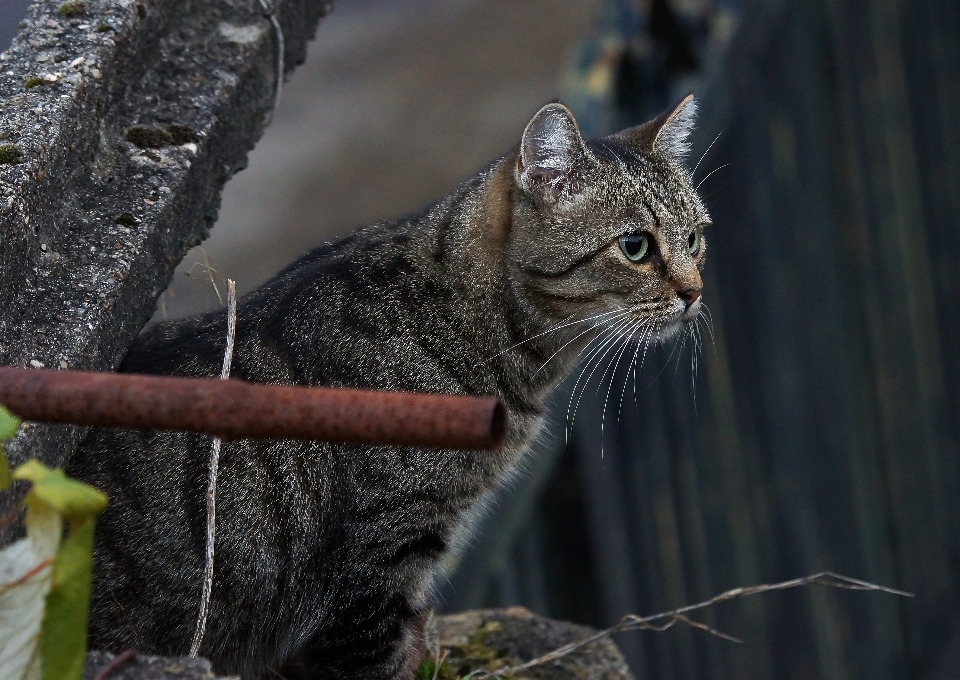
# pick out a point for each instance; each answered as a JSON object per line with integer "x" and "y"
{"x": 392, "y": 648}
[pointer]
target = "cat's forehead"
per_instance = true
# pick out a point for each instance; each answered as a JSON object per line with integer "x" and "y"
{"x": 645, "y": 189}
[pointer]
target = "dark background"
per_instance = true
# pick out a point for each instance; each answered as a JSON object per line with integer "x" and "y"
{"x": 823, "y": 432}
{"x": 11, "y": 12}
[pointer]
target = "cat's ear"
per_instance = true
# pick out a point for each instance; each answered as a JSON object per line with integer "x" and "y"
{"x": 550, "y": 151}
{"x": 668, "y": 133}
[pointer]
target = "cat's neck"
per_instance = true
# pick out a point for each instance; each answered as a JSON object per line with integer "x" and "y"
{"x": 512, "y": 338}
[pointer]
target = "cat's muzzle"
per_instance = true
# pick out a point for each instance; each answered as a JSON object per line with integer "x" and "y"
{"x": 679, "y": 318}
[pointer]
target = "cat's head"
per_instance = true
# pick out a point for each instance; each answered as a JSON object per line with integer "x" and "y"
{"x": 610, "y": 227}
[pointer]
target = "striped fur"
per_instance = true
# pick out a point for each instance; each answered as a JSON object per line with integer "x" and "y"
{"x": 325, "y": 552}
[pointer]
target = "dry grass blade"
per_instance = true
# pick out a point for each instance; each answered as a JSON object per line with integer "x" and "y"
{"x": 438, "y": 662}
{"x": 664, "y": 620}
{"x": 209, "y": 270}
{"x": 212, "y": 481}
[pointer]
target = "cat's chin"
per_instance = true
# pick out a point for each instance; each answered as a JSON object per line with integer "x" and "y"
{"x": 679, "y": 322}
{"x": 672, "y": 328}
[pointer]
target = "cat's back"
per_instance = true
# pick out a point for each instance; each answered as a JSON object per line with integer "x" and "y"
{"x": 361, "y": 288}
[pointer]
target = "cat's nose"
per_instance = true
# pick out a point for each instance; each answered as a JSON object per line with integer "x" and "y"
{"x": 690, "y": 295}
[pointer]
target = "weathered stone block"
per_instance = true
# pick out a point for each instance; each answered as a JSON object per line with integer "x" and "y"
{"x": 120, "y": 122}
{"x": 152, "y": 668}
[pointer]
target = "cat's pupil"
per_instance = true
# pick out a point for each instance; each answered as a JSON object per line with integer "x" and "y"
{"x": 634, "y": 246}
{"x": 693, "y": 242}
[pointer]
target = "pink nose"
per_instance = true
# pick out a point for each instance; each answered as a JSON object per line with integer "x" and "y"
{"x": 690, "y": 295}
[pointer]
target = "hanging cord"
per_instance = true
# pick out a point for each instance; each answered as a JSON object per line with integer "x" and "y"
{"x": 270, "y": 12}
{"x": 212, "y": 480}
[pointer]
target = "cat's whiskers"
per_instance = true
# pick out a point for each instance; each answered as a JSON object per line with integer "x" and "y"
{"x": 673, "y": 350}
{"x": 608, "y": 347}
{"x": 573, "y": 339}
{"x": 695, "y": 349}
{"x": 615, "y": 364}
{"x": 690, "y": 334}
{"x": 699, "y": 343}
{"x": 610, "y": 334}
{"x": 656, "y": 341}
{"x": 646, "y": 345}
{"x": 604, "y": 331}
{"x": 680, "y": 345}
{"x": 562, "y": 324}
{"x": 641, "y": 342}
{"x": 607, "y": 327}
{"x": 705, "y": 153}
{"x": 710, "y": 173}
{"x": 708, "y": 320}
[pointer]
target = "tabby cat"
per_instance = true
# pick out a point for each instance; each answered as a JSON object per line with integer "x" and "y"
{"x": 325, "y": 552}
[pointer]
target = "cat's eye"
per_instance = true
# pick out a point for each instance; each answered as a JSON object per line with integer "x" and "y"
{"x": 635, "y": 246}
{"x": 694, "y": 240}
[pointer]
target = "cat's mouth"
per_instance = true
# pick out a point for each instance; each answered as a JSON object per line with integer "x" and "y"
{"x": 678, "y": 318}
{"x": 690, "y": 312}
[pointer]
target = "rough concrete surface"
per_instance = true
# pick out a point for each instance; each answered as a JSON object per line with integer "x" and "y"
{"x": 120, "y": 121}
{"x": 152, "y": 668}
{"x": 488, "y": 640}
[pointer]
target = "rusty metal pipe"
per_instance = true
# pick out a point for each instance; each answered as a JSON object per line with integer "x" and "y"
{"x": 232, "y": 409}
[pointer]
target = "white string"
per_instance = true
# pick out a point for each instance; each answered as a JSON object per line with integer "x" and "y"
{"x": 212, "y": 480}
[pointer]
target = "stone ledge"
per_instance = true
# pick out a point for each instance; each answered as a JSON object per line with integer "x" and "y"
{"x": 128, "y": 117}
{"x": 488, "y": 639}
{"x": 492, "y": 639}
{"x": 152, "y": 668}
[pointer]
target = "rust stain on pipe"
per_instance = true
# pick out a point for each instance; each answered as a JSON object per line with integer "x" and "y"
{"x": 232, "y": 409}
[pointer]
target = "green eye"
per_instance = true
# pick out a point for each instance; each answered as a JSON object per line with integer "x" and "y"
{"x": 694, "y": 241}
{"x": 635, "y": 246}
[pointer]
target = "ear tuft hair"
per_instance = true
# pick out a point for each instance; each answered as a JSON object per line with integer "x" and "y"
{"x": 668, "y": 133}
{"x": 550, "y": 148}
{"x": 673, "y": 138}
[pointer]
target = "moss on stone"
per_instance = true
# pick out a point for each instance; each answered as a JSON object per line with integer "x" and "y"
{"x": 428, "y": 671}
{"x": 33, "y": 81}
{"x": 181, "y": 134}
{"x": 10, "y": 154}
{"x": 126, "y": 219}
{"x": 68, "y": 10}
{"x": 476, "y": 654}
{"x": 149, "y": 137}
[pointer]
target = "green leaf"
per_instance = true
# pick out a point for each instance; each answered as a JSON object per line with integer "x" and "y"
{"x": 8, "y": 424}
{"x": 8, "y": 427}
{"x": 425, "y": 672}
{"x": 428, "y": 670}
{"x": 62, "y": 638}
{"x": 26, "y": 576}
{"x": 63, "y": 635}
{"x": 72, "y": 499}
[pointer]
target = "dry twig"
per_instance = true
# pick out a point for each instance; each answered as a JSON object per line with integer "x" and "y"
{"x": 209, "y": 270}
{"x": 438, "y": 660}
{"x": 212, "y": 482}
{"x": 668, "y": 619}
